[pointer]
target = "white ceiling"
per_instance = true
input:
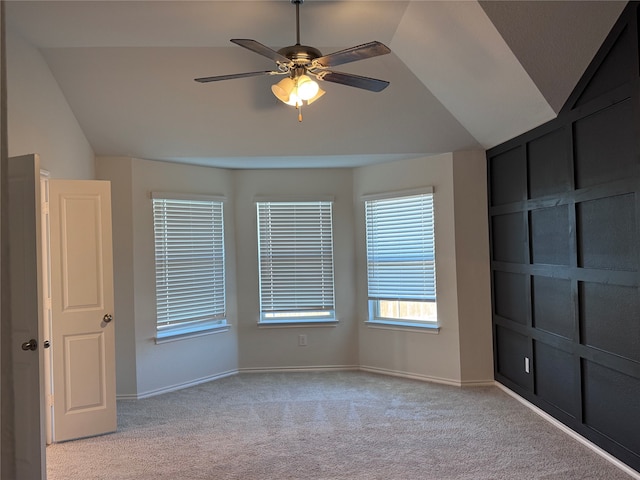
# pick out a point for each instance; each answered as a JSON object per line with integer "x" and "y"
{"x": 463, "y": 75}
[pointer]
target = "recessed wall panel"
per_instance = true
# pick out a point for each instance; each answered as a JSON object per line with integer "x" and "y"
{"x": 508, "y": 176}
{"x": 550, "y": 235}
{"x": 607, "y": 236}
{"x": 556, "y": 379}
{"x": 605, "y": 146}
{"x": 610, "y": 318}
{"x": 512, "y": 349}
{"x": 548, "y": 164}
{"x": 611, "y": 403}
{"x": 508, "y": 238}
{"x": 510, "y": 296}
{"x": 616, "y": 69}
{"x": 552, "y": 305}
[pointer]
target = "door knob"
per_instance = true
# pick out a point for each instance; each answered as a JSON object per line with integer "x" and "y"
{"x": 107, "y": 318}
{"x": 30, "y": 345}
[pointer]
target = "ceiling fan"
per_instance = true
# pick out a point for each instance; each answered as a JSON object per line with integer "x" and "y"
{"x": 300, "y": 62}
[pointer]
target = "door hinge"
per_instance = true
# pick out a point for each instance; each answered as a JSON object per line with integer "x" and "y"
{"x": 49, "y": 400}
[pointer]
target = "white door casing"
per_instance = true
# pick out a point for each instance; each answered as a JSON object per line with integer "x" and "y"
{"x": 45, "y": 325}
{"x": 83, "y": 338}
{"x": 25, "y": 259}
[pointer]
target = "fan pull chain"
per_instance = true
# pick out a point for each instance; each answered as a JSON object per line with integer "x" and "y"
{"x": 299, "y": 108}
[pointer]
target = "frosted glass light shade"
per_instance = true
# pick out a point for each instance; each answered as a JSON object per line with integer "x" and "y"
{"x": 282, "y": 90}
{"x": 294, "y": 100}
{"x": 307, "y": 88}
{"x": 316, "y": 97}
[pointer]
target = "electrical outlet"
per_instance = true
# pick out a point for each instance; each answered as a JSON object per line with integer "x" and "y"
{"x": 526, "y": 364}
{"x": 302, "y": 340}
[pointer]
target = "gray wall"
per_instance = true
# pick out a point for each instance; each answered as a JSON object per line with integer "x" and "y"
{"x": 277, "y": 347}
{"x": 144, "y": 367}
{"x": 460, "y": 353}
{"x": 39, "y": 117}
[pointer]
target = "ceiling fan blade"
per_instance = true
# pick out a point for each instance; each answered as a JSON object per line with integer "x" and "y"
{"x": 353, "y": 54}
{"x": 261, "y": 49}
{"x": 234, "y": 75}
{"x": 366, "y": 83}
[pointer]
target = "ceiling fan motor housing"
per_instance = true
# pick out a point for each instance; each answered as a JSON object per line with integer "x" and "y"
{"x": 300, "y": 54}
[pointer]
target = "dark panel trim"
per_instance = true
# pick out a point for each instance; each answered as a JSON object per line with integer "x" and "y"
{"x": 628, "y": 16}
{"x": 628, "y": 279}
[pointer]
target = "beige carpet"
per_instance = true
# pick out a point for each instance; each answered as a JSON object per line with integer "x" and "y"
{"x": 333, "y": 425}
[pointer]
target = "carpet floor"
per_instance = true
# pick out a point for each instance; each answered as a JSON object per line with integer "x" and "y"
{"x": 328, "y": 425}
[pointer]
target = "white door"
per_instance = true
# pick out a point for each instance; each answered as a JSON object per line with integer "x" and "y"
{"x": 83, "y": 339}
{"x": 25, "y": 257}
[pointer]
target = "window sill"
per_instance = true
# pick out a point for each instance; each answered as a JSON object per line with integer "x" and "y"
{"x": 184, "y": 335}
{"x": 404, "y": 326}
{"x": 298, "y": 323}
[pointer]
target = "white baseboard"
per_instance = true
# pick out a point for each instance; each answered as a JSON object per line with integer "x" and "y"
{"x": 179, "y": 386}
{"x": 382, "y": 371}
{"x": 316, "y": 368}
{"x": 126, "y": 396}
{"x": 413, "y": 376}
{"x": 573, "y": 434}
{"x": 477, "y": 383}
{"x": 193, "y": 383}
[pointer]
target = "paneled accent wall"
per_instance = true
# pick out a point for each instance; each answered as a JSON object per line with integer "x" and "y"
{"x": 565, "y": 243}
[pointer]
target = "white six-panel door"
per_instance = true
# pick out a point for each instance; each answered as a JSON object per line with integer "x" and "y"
{"x": 83, "y": 340}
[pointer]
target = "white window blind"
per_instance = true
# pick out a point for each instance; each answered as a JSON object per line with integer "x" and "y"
{"x": 190, "y": 267}
{"x": 401, "y": 248}
{"x": 295, "y": 249}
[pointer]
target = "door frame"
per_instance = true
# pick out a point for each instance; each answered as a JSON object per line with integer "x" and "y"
{"x": 46, "y": 322}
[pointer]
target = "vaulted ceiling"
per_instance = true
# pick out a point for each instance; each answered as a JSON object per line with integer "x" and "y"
{"x": 464, "y": 74}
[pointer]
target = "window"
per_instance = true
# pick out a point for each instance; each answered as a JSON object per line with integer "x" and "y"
{"x": 190, "y": 269}
{"x": 295, "y": 254}
{"x": 401, "y": 259}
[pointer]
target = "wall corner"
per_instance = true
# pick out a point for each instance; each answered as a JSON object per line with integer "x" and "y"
{"x": 472, "y": 265}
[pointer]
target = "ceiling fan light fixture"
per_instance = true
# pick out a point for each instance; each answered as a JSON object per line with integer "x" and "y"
{"x": 282, "y": 90}
{"x": 296, "y": 61}
{"x": 316, "y": 97}
{"x": 296, "y": 91}
{"x": 307, "y": 88}
{"x": 294, "y": 100}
